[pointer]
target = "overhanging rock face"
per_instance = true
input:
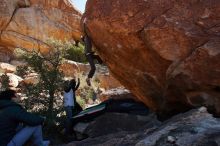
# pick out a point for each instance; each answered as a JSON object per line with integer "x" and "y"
{"x": 166, "y": 52}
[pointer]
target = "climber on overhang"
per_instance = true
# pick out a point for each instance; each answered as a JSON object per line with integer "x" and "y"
{"x": 90, "y": 55}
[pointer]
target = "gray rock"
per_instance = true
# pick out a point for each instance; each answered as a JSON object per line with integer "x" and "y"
{"x": 194, "y": 128}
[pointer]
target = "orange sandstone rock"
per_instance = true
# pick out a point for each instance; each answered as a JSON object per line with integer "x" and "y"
{"x": 165, "y": 52}
{"x": 30, "y": 23}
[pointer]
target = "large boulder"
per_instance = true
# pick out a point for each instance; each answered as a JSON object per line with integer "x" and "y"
{"x": 32, "y": 78}
{"x": 165, "y": 52}
{"x": 116, "y": 93}
{"x": 7, "y": 68}
{"x": 113, "y": 123}
{"x": 107, "y": 81}
{"x": 69, "y": 68}
{"x": 194, "y": 128}
{"x": 30, "y": 23}
{"x": 14, "y": 80}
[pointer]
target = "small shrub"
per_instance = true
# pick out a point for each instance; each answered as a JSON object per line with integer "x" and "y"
{"x": 44, "y": 93}
{"x": 22, "y": 70}
{"x": 4, "y": 82}
{"x": 76, "y": 54}
{"x": 81, "y": 101}
{"x": 90, "y": 94}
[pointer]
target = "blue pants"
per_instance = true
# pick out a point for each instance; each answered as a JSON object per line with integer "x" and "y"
{"x": 69, "y": 124}
{"x": 26, "y": 133}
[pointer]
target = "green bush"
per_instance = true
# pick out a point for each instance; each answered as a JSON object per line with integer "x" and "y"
{"x": 76, "y": 54}
{"x": 22, "y": 70}
{"x": 81, "y": 101}
{"x": 4, "y": 82}
{"x": 90, "y": 94}
{"x": 44, "y": 93}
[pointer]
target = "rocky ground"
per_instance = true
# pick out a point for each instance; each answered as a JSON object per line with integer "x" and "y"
{"x": 193, "y": 128}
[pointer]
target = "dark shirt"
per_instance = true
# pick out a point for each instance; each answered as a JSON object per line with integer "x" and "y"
{"x": 11, "y": 114}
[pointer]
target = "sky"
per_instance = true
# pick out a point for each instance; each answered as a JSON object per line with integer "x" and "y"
{"x": 80, "y": 4}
